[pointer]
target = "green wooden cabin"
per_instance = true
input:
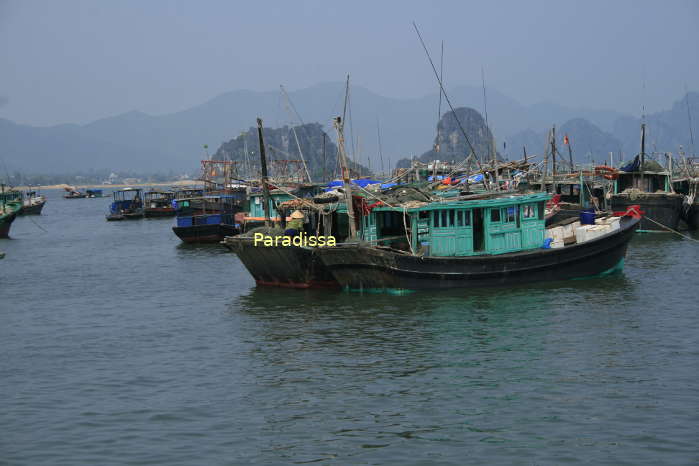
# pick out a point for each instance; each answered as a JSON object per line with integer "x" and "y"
{"x": 461, "y": 228}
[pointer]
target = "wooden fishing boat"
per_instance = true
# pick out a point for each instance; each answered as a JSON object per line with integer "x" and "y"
{"x": 498, "y": 241}
{"x": 93, "y": 193}
{"x": 32, "y": 204}
{"x": 159, "y": 204}
{"x": 650, "y": 186}
{"x": 72, "y": 193}
{"x": 127, "y": 205}
{"x": 209, "y": 215}
{"x": 9, "y": 208}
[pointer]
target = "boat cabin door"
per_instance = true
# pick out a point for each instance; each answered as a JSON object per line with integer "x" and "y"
{"x": 478, "y": 230}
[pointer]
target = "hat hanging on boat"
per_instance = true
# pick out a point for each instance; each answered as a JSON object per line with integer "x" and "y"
{"x": 297, "y": 214}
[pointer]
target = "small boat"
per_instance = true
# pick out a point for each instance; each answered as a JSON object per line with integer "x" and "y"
{"x": 72, "y": 193}
{"x": 32, "y": 203}
{"x": 650, "y": 186}
{"x": 92, "y": 193}
{"x": 498, "y": 241}
{"x": 127, "y": 205}
{"x": 2, "y": 255}
{"x": 209, "y": 215}
{"x": 10, "y": 206}
{"x": 159, "y": 204}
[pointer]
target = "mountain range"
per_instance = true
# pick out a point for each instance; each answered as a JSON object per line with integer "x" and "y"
{"x": 407, "y": 127}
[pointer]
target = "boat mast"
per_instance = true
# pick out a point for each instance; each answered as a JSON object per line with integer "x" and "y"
{"x": 643, "y": 150}
{"x": 263, "y": 166}
{"x": 347, "y": 182}
{"x": 553, "y": 158}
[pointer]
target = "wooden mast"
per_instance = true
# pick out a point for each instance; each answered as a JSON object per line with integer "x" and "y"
{"x": 553, "y": 159}
{"x": 643, "y": 151}
{"x": 263, "y": 166}
{"x": 347, "y": 182}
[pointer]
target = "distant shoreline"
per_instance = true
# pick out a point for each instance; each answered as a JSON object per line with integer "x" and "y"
{"x": 107, "y": 186}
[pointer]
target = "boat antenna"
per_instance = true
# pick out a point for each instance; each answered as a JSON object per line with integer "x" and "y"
{"x": 689, "y": 117}
{"x": 446, "y": 97}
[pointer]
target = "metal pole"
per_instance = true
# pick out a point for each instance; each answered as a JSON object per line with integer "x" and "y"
{"x": 263, "y": 165}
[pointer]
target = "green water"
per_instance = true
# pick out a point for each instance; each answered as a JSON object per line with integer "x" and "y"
{"x": 122, "y": 346}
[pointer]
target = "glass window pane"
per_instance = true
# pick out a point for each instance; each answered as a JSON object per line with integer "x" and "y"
{"x": 451, "y": 217}
{"x": 445, "y": 219}
{"x": 494, "y": 215}
{"x": 435, "y": 217}
{"x": 459, "y": 218}
{"x": 467, "y": 218}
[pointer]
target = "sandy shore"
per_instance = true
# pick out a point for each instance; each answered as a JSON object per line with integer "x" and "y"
{"x": 108, "y": 186}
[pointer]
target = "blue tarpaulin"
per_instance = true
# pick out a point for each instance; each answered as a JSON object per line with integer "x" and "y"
{"x": 363, "y": 183}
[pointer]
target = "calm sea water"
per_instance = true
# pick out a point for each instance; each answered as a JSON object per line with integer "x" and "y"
{"x": 122, "y": 346}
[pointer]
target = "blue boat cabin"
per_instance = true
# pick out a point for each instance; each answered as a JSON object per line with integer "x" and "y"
{"x": 461, "y": 228}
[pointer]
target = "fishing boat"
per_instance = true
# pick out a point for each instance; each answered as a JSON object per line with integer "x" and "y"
{"x": 32, "y": 203}
{"x": 72, "y": 193}
{"x": 127, "y": 205}
{"x": 495, "y": 240}
{"x": 211, "y": 216}
{"x": 159, "y": 204}
{"x": 9, "y": 208}
{"x": 93, "y": 193}
{"x": 650, "y": 186}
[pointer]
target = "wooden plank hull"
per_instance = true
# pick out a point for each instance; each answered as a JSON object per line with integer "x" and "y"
{"x": 33, "y": 209}
{"x": 205, "y": 233}
{"x": 663, "y": 208}
{"x": 151, "y": 212}
{"x": 358, "y": 267}
{"x": 282, "y": 266}
{"x": 690, "y": 215}
{"x": 6, "y": 223}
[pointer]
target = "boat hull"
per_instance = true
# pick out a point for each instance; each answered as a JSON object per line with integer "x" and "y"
{"x": 358, "y": 267}
{"x": 205, "y": 233}
{"x": 282, "y": 266}
{"x": 663, "y": 208}
{"x": 690, "y": 215}
{"x": 159, "y": 212}
{"x": 34, "y": 209}
{"x": 6, "y": 223}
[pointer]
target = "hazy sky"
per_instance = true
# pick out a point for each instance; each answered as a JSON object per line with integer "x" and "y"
{"x": 76, "y": 61}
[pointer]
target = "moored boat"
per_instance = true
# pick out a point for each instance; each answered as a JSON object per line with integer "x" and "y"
{"x": 92, "y": 193}
{"x": 647, "y": 184}
{"x": 9, "y": 208}
{"x": 32, "y": 204}
{"x": 159, "y": 204}
{"x": 210, "y": 216}
{"x": 498, "y": 241}
{"x": 127, "y": 205}
{"x": 72, "y": 193}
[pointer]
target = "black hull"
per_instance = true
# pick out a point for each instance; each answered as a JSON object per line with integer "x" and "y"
{"x": 205, "y": 233}
{"x": 690, "y": 215}
{"x": 5, "y": 224}
{"x": 664, "y": 208}
{"x": 32, "y": 210}
{"x": 361, "y": 268}
{"x": 154, "y": 213}
{"x": 287, "y": 267}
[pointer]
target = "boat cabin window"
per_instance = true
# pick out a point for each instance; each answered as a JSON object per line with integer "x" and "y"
{"x": 541, "y": 210}
{"x": 529, "y": 211}
{"x": 510, "y": 214}
{"x": 494, "y": 215}
{"x": 448, "y": 218}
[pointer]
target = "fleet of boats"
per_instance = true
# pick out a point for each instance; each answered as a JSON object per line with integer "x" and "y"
{"x": 430, "y": 226}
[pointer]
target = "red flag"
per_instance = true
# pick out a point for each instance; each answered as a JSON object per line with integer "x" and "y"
{"x": 565, "y": 139}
